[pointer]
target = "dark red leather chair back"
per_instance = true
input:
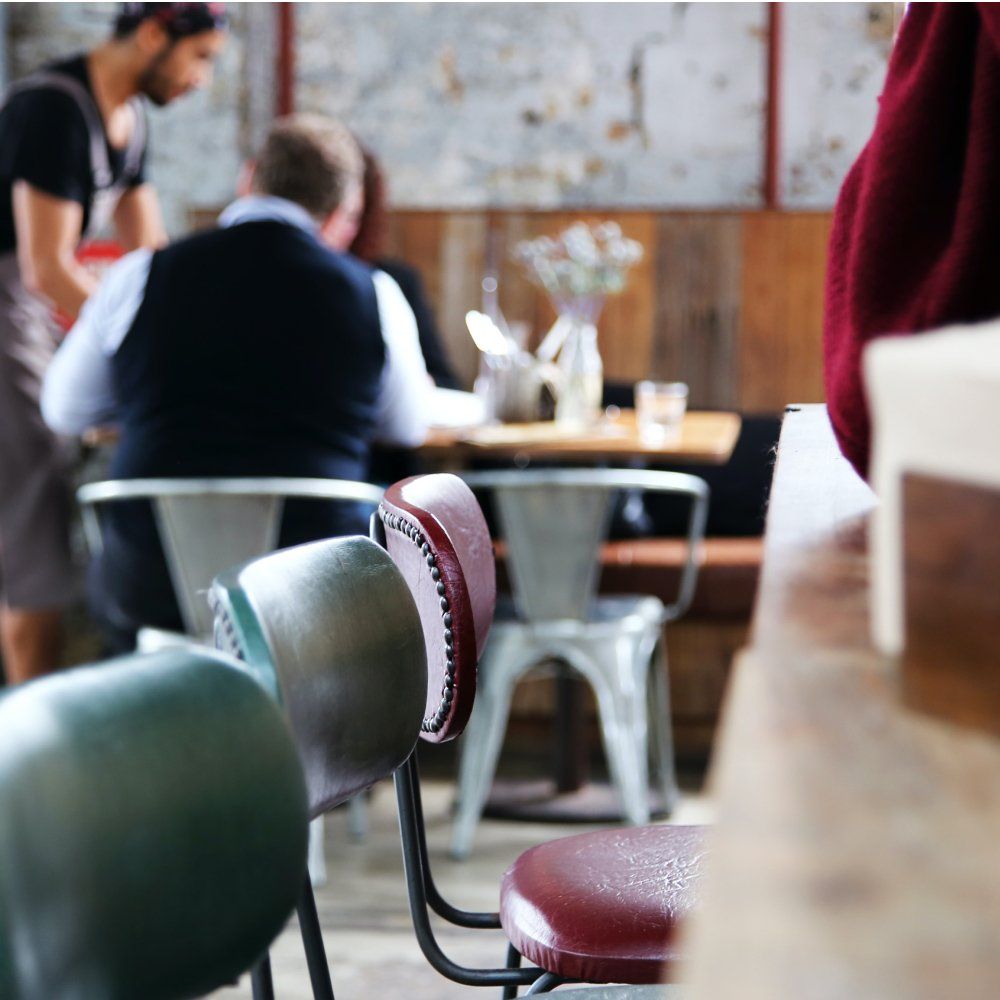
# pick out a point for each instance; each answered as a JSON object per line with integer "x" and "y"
{"x": 437, "y": 536}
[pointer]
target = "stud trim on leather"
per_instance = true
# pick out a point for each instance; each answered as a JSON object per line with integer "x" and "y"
{"x": 432, "y": 723}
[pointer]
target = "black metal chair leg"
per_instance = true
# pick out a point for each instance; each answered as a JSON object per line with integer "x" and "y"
{"x": 513, "y": 962}
{"x": 312, "y": 941}
{"x": 545, "y": 983}
{"x": 261, "y": 983}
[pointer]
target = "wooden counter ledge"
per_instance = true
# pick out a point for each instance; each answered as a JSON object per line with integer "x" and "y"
{"x": 856, "y": 851}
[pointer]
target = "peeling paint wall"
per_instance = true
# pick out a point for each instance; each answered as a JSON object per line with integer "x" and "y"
{"x": 546, "y": 104}
{"x": 834, "y": 57}
{"x": 534, "y": 105}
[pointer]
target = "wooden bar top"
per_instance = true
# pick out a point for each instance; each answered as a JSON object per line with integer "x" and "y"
{"x": 706, "y": 436}
{"x": 856, "y": 852}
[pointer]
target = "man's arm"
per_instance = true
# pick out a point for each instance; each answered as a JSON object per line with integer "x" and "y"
{"x": 78, "y": 391}
{"x": 48, "y": 229}
{"x": 404, "y": 395}
{"x": 138, "y": 219}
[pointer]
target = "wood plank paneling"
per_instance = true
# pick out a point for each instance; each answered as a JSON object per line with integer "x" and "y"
{"x": 462, "y": 258}
{"x": 730, "y": 303}
{"x": 805, "y": 270}
{"x": 781, "y": 357}
{"x": 626, "y": 329}
{"x": 698, "y": 291}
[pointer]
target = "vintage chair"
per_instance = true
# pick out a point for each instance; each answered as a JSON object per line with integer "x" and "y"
{"x": 152, "y": 829}
{"x": 435, "y": 532}
{"x": 208, "y": 525}
{"x": 599, "y": 907}
{"x": 330, "y": 629}
{"x": 554, "y": 522}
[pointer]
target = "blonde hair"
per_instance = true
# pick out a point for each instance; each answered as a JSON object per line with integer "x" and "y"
{"x": 310, "y": 160}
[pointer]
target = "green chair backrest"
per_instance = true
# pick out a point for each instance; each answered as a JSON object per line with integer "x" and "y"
{"x": 152, "y": 829}
{"x": 331, "y": 629}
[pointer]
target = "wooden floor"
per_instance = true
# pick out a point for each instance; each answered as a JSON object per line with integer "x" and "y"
{"x": 363, "y": 909}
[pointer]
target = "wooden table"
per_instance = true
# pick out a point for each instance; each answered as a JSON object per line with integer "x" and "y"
{"x": 856, "y": 849}
{"x": 706, "y": 437}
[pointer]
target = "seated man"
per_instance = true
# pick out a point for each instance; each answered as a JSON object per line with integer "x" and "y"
{"x": 250, "y": 350}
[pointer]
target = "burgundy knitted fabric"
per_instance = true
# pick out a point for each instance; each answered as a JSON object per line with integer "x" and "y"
{"x": 916, "y": 231}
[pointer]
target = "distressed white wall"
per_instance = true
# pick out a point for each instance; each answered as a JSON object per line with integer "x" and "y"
{"x": 534, "y": 105}
{"x": 834, "y": 57}
{"x": 546, "y": 104}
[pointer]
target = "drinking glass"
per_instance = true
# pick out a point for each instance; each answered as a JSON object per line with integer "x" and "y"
{"x": 659, "y": 410}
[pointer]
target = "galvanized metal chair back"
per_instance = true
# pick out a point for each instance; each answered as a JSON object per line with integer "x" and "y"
{"x": 208, "y": 525}
{"x": 554, "y": 522}
{"x": 152, "y": 828}
{"x": 435, "y": 532}
{"x": 332, "y": 629}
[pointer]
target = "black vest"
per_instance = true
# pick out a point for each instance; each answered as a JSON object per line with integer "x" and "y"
{"x": 255, "y": 351}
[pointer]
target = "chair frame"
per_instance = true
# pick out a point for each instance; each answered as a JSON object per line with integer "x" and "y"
{"x": 645, "y": 480}
{"x": 243, "y": 633}
{"x": 422, "y": 891}
{"x": 568, "y": 628}
{"x": 160, "y": 491}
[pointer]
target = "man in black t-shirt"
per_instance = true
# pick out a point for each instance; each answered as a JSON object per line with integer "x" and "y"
{"x": 72, "y": 156}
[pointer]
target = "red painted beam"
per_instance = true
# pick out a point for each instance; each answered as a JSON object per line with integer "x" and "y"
{"x": 285, "y": 69}
{"x": 772, "y": 127}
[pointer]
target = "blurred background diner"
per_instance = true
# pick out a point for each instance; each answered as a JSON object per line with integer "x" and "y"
{"x": 617, "y": 268}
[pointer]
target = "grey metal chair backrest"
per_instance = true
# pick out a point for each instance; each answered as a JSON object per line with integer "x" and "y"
{"x": 555, "y": 520}
{"x": 152, "y": 828}
{"x": 208, "y": 525}
{"x": 331, "y": 628}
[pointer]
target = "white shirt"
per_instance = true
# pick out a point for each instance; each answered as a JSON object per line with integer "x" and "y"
{"x": 78, "y": 391}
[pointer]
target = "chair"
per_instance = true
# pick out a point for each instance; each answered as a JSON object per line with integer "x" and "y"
{"x": 554, "y": 522}
{"x": 206, "y": 526}
{"x": 330, "y": 629}
{"x": 600, "y": 907}
{"x": 436, "y": 534}
{"x": 152, "y": 829}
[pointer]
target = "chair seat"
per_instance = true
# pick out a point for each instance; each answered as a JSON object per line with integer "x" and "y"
{"x": 646, "y": 992}
{"x": 621, "y": 612}
{"x": 603, "y": 907}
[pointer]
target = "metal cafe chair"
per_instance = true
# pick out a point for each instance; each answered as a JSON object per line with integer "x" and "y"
{"x": 554, "y": 522}
{"x": 151, "y": 843}
{"x": 330, "y": 629}
{"x": 206, "y": 526}
{"x": 600, "y": 907}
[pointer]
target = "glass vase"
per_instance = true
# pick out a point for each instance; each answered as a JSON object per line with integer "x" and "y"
{"x": 581, "y": 371}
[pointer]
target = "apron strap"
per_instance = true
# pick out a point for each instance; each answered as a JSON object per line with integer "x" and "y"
{"x": 99, "y": 164}
{"x": 137, "y": 142}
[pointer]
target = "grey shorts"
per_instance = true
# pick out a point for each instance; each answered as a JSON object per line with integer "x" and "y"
{"x": 36, "y": 568}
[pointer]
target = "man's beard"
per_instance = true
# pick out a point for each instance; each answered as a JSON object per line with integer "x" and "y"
{"x": 153, "y": 83}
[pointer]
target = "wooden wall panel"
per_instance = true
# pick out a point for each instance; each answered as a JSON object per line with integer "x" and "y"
{"x": 808, "y": 239}
{"x": 416, "y": 237}
{"x": 698, "y": 290}
{"x": 729, "y": 302}
{"x": 462, "y": 258}
{"x": 626, "y": 332}
{"x": 781, "y": 358}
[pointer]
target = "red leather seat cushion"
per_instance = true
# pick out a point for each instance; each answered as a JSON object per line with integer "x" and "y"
{"x": 603, "y": 907}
